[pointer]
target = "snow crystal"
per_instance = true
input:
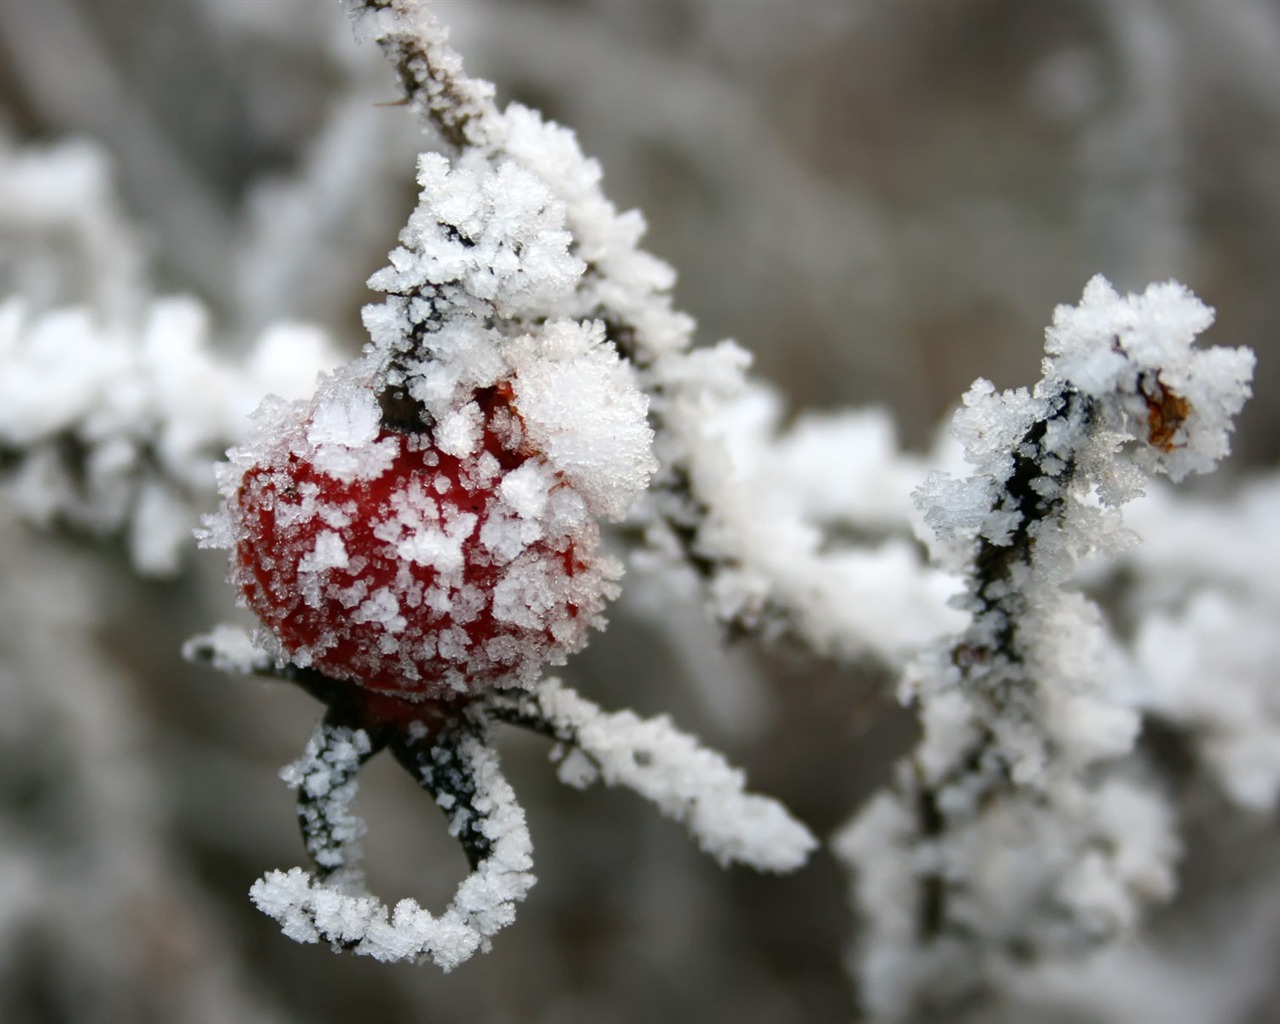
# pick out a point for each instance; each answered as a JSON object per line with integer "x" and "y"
{"x": 228, "y": 649}
{"x": 329, "y": 553}
{"x": 505, "y": 535}
{"x": 525, "y": 594}
{"x": 441, "y": 549}
{"x": 525, "y": 490}
{"x": 482, "y": 234}
{"x": 382, "y": 607}
{"x": 457, "y": 433}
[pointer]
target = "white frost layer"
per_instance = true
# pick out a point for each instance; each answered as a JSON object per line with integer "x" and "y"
{"x": 309, "y": 910}
{"x": 342, "y": 436}
{"x": 326, "y": 773}
{"x": 1206, "y": 595}
{"x": 1036, "y": 878}
{"x": 686, "y": 781}
{"x": 486, "y": 289}
{"x": 580, "y": 406}
{"x": 1129, "y": 349}
{"x": 773, "y": 497}
{"x": 229, "y": 649}
{"x": 1210, "y": 668}
{"x": 59, "y": 208}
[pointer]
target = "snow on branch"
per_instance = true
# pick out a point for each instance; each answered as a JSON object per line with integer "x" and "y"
{"x": 430, "y": 71}
{"x": 325, "y": 780}
{"x": 115, "y": 429}
{"x": 1016, "y": 830}
{"x": 667, "y": 767}
{"x": 1202, "y": 590}
{"x": 113, "y": 404}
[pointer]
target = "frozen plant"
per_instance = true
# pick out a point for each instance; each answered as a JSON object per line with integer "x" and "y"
{"x": 1017, "y": 830}
{"x": 421, "y": 538}
{"x": 1203, "y": 596}
{"x": 429, "y": 532}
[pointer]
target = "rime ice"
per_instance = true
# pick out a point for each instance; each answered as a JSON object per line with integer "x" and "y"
{"x": 339, "y": 912}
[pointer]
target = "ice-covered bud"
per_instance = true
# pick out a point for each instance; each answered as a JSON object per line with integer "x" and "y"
{"x": 1135, "y": 356}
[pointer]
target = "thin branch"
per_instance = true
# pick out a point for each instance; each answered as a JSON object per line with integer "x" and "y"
{"x": 430, "y": 71}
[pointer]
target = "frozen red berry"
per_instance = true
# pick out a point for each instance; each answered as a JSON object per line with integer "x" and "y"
{"x": 424, "y": 563}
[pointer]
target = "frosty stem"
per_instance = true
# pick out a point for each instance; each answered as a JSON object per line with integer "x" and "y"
{"x": 1018, "y": 829}
{"x": 1000, "y": 601}
{"x": 991, "y": 656}
{"x": 684, "y": 780}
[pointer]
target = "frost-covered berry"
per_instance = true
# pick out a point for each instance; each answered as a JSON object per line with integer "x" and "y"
{"x": 424, "y": 563}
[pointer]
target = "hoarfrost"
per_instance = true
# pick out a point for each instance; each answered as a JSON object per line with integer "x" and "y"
{"x": 342, "y": 436}
{"x": 580, "y": 405}
{"x": 684, "y": 780}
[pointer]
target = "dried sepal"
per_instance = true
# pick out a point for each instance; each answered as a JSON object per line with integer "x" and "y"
{"x": 684, "y": 780}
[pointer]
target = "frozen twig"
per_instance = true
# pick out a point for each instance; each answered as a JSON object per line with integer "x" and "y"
{"x": 1014, "y": 831}
{"x": 446, "y": 751}
{"x": 325, "y": 780}
{"x": 430, "y": 71}
{"x": 686, "y": 782}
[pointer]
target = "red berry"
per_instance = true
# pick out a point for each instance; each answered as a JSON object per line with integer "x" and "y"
{"x": 428, "y": 573}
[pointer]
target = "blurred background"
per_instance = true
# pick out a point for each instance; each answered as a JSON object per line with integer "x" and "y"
{"x": 880, "y": 200}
